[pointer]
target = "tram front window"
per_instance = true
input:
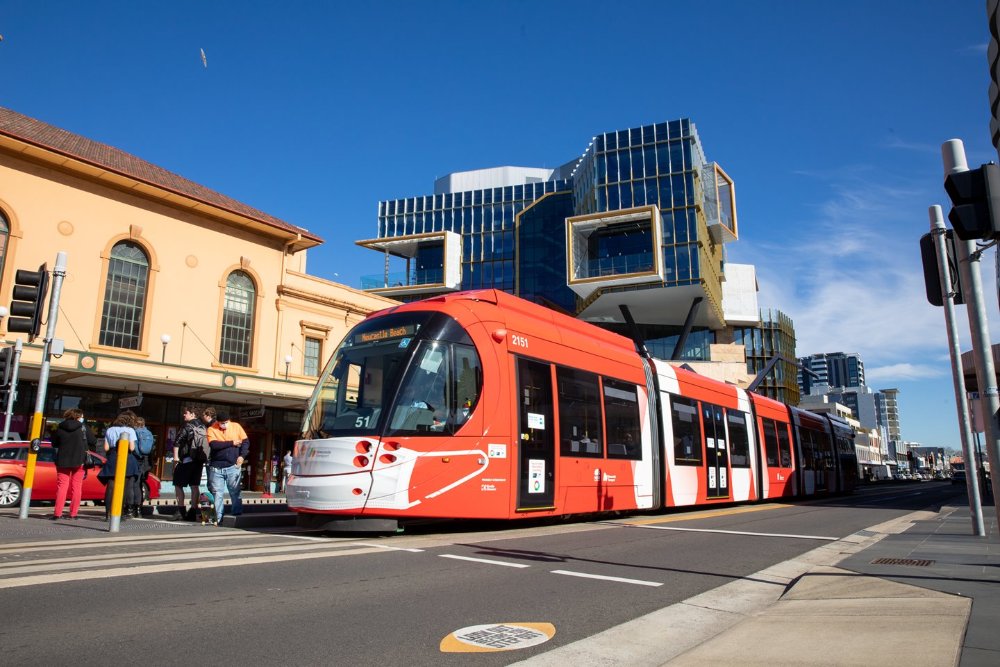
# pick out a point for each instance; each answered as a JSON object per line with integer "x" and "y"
{"x": 358, "y": 384}
{"x": 403, "y": 363}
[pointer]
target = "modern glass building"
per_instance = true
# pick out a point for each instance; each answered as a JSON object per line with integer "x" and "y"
{"x": 773, "y": 337}
{"x": 638, "y": 220}
{"x": 830, "y": 369}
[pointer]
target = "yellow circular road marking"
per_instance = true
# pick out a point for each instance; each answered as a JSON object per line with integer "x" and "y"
{"x": 497, "y": 637}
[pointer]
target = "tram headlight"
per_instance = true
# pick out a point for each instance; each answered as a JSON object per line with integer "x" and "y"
{"x": 363, "y": 447}
{"x": 361, "y": 461}
{"x": 387, "y": 458}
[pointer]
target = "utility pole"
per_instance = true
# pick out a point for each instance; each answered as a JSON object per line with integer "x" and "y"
{"x": 953, "y": 157}
{"x": 43, "y": 382}
{"x": 939, "y": 233}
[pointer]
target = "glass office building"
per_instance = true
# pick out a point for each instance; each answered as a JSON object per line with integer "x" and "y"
{"x": 638, "y": 220}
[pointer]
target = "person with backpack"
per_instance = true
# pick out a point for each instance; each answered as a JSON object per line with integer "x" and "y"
{"x": 190, "y": 455}
{"x": 143, "y": 452}
{"x": 122, "y": 428}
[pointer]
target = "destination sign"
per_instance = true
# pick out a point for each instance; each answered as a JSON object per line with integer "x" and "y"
{"x": 385, "y": 334}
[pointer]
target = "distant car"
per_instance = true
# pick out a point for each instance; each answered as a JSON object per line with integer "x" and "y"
{"x": 14, "y": 460}
{"x": 958, "y": 477}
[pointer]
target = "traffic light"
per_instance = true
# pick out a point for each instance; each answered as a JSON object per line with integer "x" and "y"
{"x": 6, "y": 371}
{"x": 932, "y": 282}
{"x": 30, "y": 290}
{"x": 975, "y": 198}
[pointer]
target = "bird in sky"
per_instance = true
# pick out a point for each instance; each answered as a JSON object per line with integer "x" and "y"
{"x": 204, "y": 60}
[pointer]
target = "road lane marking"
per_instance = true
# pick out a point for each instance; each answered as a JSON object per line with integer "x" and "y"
{"x": 702, "y": 514}
{"x": 203, "y": 564}
{"x": 742, "y": 532}
{"x": 129, "y": 560}
{"x": 386, "y": 546}
{"x": 63, "y": 545}
{"x": 483, "y": 560}
{"x": 621, "y": 580}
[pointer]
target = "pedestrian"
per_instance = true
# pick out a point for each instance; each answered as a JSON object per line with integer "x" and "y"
{"x": 287, "y": 470}
{"x": 229, "y": 450}
{"x": 71, "y": 440}
{"x": 123, "y": 427}
{"x": 189, "y": 462}
{"x": 144, "y": 443}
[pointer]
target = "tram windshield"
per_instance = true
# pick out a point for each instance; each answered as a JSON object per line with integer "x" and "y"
{"x": 399, "y": 374}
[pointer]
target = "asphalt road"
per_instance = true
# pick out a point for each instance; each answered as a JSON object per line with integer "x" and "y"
{"x": 237, "y": 597}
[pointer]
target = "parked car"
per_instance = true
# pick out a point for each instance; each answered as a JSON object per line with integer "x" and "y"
{"x": 958, "y": 477}
{"x": 14, "y": 461}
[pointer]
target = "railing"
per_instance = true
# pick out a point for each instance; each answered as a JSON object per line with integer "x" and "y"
{"x": 414, "y": 278}
{"x": 615, "y": 266}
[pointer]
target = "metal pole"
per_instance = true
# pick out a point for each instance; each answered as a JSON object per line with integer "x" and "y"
{"x": 953, "y": 156}
{"x": 938, "y": 231}
{"x": 121, "y": 449}
{"x": 43, "y": 382}
{"x": 12, "y": 395}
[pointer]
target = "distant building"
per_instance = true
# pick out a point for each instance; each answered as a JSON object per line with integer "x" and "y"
{"x": 831, "y": 369}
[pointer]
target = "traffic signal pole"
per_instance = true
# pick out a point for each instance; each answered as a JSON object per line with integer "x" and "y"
{"x": 38, "y": 418}
{"x": 953, "y": 157}
{"x": 11, "y": 395}
{"x": 938, "y": 232}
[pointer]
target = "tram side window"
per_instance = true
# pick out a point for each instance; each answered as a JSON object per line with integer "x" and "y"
{"x": 621, "y": 409}
{"x": 687, "y": 431}
{"x": 770, "y": 441}
{"x": 579, "y": 413}
{"x": 784, "y": 446}
{"x": 739, "y": 441}
{"x": 824, "y": 451}
{"x": 468, "y": 382}
{"x": 808, "y": 449}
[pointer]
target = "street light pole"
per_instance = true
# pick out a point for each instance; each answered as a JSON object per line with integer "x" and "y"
{"x": 165, "y": 339}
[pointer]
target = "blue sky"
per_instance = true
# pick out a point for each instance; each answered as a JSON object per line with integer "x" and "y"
{"x": 828, "y": 116}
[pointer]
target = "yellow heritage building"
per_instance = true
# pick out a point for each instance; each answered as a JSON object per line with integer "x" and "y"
{"x": 174, "y": 294}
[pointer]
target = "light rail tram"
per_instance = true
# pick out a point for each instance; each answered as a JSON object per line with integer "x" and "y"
{"x": 480, "y": 405}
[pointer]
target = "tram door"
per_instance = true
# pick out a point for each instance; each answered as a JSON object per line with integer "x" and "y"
{"x": 716, "y": 451}
{"x": 536, "y": 440}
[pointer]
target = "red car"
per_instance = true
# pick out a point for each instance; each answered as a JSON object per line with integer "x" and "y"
{"x": 14, "y": 460}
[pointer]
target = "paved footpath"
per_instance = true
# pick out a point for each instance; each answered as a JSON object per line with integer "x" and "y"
{"x": 917, "y": 591}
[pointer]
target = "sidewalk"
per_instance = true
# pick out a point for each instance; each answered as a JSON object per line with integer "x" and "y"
{"x": 926, "y": 596}
{"x": 917, "y": 591}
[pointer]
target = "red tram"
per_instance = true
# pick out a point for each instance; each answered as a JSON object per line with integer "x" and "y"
{"x": 483, "y": 405}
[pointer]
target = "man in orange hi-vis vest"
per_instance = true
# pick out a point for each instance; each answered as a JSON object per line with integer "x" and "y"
{"x": 230, "y": 447}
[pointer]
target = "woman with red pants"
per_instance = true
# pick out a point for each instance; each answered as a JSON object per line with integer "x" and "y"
{"x": 71, "y": 440}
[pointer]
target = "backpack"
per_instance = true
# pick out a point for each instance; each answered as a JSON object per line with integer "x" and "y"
{"x": 145, "y": 440}
{"x": 199, "y": 443}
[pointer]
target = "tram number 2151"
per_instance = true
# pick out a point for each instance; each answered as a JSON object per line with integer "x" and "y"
{"x": 518, "y": 341}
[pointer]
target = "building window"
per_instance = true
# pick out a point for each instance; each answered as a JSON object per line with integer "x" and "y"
{"x": 4, "y": 238}
{"x": 125, "y": 297}
{"x": 237, "y": 320}
{"x": 313, "y": 349}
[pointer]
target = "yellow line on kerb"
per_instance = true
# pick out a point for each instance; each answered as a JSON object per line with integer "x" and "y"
{"x": 704, "y": 514}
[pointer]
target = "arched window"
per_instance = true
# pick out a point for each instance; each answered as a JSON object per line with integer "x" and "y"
{"x": 237, "y": 320}
{"x": 125, "y": 297}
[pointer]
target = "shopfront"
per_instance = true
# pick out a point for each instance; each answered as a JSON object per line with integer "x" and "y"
{"x": 271, "y": 431}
